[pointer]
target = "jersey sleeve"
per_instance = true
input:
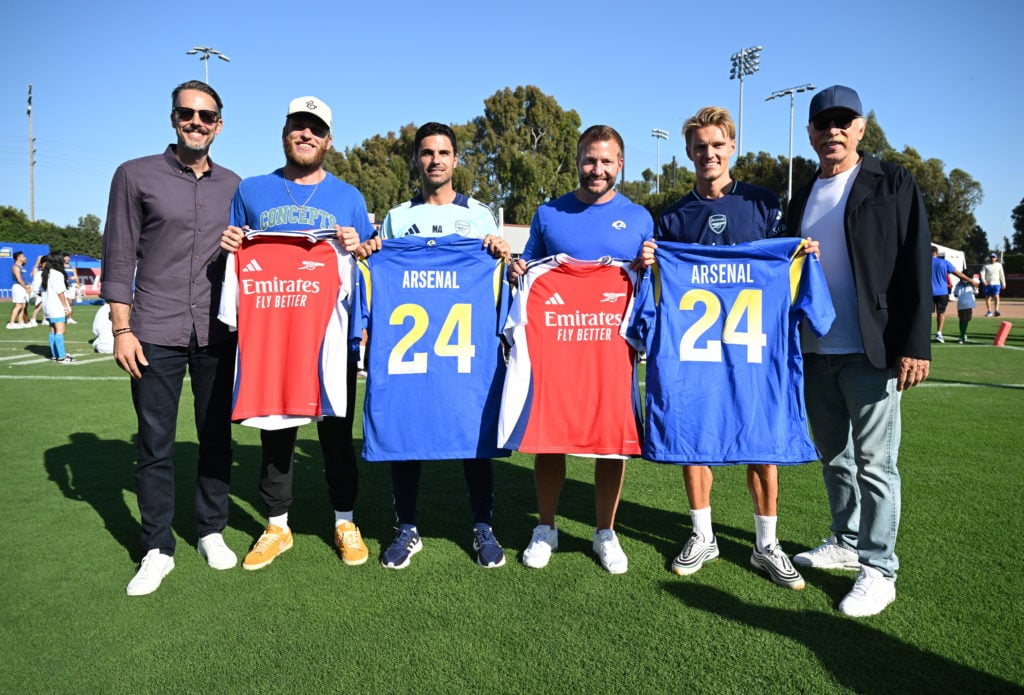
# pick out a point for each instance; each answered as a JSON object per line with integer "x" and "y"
{"x": 227, "y": 313}
{"x": 812, "y": 296}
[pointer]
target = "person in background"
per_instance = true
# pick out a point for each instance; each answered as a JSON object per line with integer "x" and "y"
{"x": 74, "y": 285}
{"x": 941, "y": 270}
{"x": 21, "y": 289}
{"x": 964, "y": 293}
{"x": 56, "y": 307}
{"x": 994, "y": 279}
{"x": 102, "y": 328}
{"x": 37, "y": 292}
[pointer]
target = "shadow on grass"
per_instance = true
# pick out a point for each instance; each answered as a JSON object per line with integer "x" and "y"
{"x": 859, "y": 656}
{"x": 99, "y": 471}
{"x": 39, "y": 350}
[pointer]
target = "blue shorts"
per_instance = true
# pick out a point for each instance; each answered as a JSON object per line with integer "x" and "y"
{"x": 990, "y": 290}
{"x": 59, "y": 319}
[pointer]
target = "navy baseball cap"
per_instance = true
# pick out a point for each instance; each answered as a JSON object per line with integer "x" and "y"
{"x": 835, "y": 97}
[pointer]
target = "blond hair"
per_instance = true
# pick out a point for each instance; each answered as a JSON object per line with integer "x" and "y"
{"x": 709, "y": 116}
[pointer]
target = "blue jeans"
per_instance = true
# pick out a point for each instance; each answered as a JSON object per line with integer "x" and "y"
{"x": 156, "y": 397}
{"x": 854, "y": 412}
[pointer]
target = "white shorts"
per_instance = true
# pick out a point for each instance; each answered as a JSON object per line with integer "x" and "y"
{"x": 18, "y": 294}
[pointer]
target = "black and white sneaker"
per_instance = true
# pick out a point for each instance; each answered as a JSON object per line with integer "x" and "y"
{"x": 777, "y": 566}
{"x": 695, "y": 553}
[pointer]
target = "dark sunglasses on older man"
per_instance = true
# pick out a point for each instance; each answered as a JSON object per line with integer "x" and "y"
{"x": 841, "y": 120}
{"x": 185, "y": 115}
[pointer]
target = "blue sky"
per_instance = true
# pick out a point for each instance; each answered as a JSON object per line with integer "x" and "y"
{"x": 943, "y": 77}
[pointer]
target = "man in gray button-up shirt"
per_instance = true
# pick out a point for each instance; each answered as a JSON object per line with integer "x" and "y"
{"x": 162, "y": 272}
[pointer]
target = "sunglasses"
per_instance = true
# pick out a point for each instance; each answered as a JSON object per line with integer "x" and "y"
{"x": 317, "y": 127}
{"x": 842, "y": 121}
{"x": 185, "y": 115}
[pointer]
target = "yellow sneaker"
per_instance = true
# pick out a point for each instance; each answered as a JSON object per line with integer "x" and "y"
{"x": 274, "y": 541}
{"x": 350, "y": 543}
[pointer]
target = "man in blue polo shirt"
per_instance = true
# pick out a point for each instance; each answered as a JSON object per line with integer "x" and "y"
{"x": 941, "y": 270}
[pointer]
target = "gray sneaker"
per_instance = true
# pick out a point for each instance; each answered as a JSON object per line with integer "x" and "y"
{"x": 695, "y": 553}
{"x": 829, "y": 556}
{"x": 777, "y": 566}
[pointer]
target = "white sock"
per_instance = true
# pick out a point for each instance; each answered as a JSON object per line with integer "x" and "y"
{"x": 339, "y": 517}
{"x": 281, "y": 521}
{"x": 764, "y": 529}
{"x": 701, "y": 520}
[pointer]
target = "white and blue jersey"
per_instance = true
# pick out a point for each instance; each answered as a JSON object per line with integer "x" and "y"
{"x": 434, "y": 308}
{"x": 463, "y": 216}
{"x": 270, "y": 203}
{"x": 724, "y": 368}
{"x": 745, "y": 213}
{"x": 567, "y": 225}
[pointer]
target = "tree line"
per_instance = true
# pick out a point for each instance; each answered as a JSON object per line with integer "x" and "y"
{"x": 520, "y": 153}
{"x": 83, "y": 238}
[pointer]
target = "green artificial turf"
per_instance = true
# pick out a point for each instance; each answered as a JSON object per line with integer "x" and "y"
{"x": 308, "y": 624}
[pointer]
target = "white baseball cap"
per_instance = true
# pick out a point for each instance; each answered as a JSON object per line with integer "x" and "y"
{"x": 312, "y": 106}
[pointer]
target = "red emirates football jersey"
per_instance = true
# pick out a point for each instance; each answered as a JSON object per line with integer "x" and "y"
{"x": 292, "y": 319}
{"x": 571, "y": 382}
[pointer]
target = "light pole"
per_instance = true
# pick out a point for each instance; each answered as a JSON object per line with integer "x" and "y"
{"x": 207, "y": 52}
{"x": 791, "y": 91}
{"x": 745, "y": 61}
{"x": 658, "y": 136}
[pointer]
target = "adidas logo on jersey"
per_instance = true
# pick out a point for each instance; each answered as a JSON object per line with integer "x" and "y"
{"x": 252, "y": 267}
{"x": 555, "y": 299}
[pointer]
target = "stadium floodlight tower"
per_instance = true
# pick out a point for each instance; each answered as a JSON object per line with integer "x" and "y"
{"x": 205, "y": 57}
{"x": 658, "y": 136}
{"x": 745, "y": 62}
{"x": 791, "y": 91}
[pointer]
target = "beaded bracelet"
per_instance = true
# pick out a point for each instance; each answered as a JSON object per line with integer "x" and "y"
{"x": 120, "y": 331}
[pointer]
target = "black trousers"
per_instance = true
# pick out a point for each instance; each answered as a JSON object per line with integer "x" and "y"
{"x": 156, "y": 397}
{"x": 340, "y": 467}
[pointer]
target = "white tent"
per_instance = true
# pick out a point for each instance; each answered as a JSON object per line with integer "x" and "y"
{"x": 957, "y": 258}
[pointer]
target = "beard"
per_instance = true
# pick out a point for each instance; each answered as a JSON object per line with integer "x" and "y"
{"x": 304, "y": 160}
{"x": 198, "y": 147}
{"x": 586, "y": 183}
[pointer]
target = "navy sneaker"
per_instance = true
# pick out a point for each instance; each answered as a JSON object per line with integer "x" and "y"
{"x": 406, "y": 544}
{"x": 489, "y": 552}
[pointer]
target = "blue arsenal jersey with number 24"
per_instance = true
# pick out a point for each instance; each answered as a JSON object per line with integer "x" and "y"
{"x": 724, "y": 368}
{"x": 433, "y": 310}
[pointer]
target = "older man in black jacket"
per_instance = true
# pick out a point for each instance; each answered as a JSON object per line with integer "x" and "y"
{"x": 869, "y": 218}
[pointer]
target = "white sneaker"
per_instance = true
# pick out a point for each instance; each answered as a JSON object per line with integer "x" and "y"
{"x": 71, "y": 320}
{"x": 154, "y": 567}
{"x": 542, "y": 544}
{"x": 607, "y": 548}
{"x": 830, "y": 556}
{"x": 218, "y": 555}
{"x": 871, "y": 593}
{"x": 32, "y": 323}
